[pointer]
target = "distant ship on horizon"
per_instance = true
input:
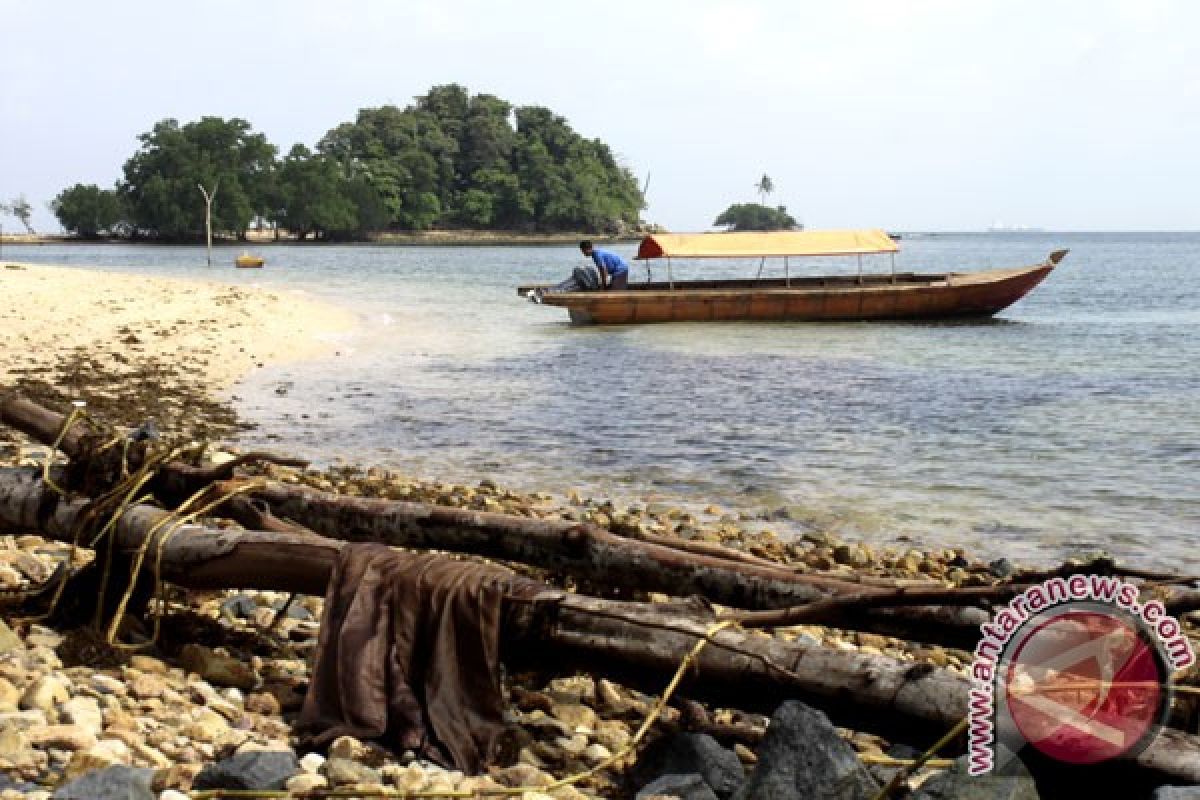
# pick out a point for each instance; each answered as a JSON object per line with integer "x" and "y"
{"x": 1000, "y": 227}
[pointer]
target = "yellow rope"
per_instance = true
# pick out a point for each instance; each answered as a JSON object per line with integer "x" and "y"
{"x": 921, "y": 760}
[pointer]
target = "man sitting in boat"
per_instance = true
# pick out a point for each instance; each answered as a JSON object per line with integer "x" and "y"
{"x": 614, "y": 272}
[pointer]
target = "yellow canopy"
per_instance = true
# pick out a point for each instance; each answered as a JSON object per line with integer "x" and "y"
{"x": 753, "y": 245}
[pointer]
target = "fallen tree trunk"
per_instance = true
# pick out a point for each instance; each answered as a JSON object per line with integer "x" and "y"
{"x": 635, "y": 641}
{"x": 591, "y": 555}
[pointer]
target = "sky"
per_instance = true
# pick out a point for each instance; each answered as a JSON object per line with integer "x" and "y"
{"x": 899, "y": 114}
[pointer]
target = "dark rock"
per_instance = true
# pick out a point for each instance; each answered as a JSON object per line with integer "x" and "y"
{"x": 685, "y": 787}
{"x": 1176, "y": 793}
{"x": 803, "y": 756}
{"x": 1002, "y": 568}
{"x": 110, "y": 783}
{"x": 254, "y": 770}
{"x": 687, "y": 753}
{"x": 956, "y": 784}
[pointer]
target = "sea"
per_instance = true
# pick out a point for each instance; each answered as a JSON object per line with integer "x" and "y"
{"x": 1067, "y": 425}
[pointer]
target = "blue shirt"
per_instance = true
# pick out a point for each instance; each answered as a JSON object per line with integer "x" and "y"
{"x": 613, "y": 264}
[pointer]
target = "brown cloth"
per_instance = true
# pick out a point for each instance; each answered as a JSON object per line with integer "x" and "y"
{"x": 408, "y": 655}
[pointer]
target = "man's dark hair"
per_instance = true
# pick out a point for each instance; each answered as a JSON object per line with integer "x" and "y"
{"x": 585, "y": 245}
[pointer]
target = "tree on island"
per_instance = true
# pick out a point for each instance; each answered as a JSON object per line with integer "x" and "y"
{"x": 161, "y": 178}
{"x": 756, "y": 217}
{"x": 450, "y": 160}
{"x": 764, "y": 188}
{"x": 22, "y": 210}
{"x": 88, "y": 211}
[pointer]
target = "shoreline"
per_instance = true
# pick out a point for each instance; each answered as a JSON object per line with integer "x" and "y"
{"x": 463, "y": 238}
{"x": 138, "y": 348}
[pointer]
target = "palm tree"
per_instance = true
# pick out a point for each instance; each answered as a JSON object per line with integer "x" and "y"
{"x": 764, "y": 187}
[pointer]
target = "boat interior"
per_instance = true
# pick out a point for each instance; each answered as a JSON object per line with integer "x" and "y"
{"x": 796, "y": 282}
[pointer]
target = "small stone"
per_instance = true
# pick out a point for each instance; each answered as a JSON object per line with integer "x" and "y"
{"x": 10, "y": 696}
{"x": 596, "y": 753}
{"x": 343, "y": 771}
{"x": 262, "y": 703}
{"x": 956, "y": 784}
{"x": 305, "y": 782}
{"x": 522, "y": 775}
{"x": 62, "y": 737}
{"x": 312, "y": 762}
{"x": 217, "y": 668}
{"x": 107, "y": 684}
{"x": 145, "y": 686}
{"x": 347, "y": 747}
{"x": 207, "y": 726}
{"x": 144, "y": 663}
{"x": 575, "y": 715}
{"x": 44, "y": 694}
{"x": 85, "y": 761}
{"x": 84, "y": 712}
{"x": 172, "y": 794}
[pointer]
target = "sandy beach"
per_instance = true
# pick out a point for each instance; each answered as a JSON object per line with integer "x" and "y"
{"x": 220, "y": 331}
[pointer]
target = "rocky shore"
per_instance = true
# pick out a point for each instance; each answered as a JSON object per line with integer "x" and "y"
{"x": 209, "y": 704}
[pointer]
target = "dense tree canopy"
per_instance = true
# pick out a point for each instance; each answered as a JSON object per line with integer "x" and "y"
{"x": 87, "y": 210}
{"x": 755, "y": 217}
{"x": 450, "y": 160}
{"x": 456, "y": 160}
{"x": 162, "y": 178}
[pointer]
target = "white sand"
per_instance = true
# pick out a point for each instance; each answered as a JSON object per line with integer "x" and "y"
{"x": 227, "y": 331}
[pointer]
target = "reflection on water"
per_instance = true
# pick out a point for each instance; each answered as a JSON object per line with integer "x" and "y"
{"x": 1069, "y": 423}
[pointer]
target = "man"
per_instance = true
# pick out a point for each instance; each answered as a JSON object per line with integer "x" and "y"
{"x": 614, "y": 272}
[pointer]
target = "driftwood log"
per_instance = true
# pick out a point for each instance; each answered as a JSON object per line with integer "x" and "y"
{"x": 589, "y": 554}
{"x": 637, "y": 642}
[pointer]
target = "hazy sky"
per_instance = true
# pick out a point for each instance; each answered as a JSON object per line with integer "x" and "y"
{"x": 903, "y": 114}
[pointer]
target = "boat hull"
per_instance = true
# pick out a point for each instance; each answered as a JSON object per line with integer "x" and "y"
{"x": 910, "y": 297}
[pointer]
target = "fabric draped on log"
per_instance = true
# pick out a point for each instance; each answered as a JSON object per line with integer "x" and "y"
{"x": 408, "y": 655}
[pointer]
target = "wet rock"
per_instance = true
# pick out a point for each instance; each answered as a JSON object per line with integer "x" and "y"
{"x": 267, "y": 770}
{"x": 803, "y": 756}
{"x": 685, "y": 787}
{"x": 956, "y": 784}
{"x": 687, "y": 753}
{"x": 111, "y": 783}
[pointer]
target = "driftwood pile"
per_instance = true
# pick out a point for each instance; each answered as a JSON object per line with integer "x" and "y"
{"x": 289, "y": 536}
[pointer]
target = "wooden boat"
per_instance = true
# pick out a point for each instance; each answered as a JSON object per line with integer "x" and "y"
{"x": 894, "y": 296}
{"x": 247, "y": 261}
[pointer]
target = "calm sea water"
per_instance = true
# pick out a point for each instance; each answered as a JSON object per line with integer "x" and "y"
{"x": 1070, "y": 423}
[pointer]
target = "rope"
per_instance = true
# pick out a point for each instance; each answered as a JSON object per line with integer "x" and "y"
{"x": 921, "y": 760}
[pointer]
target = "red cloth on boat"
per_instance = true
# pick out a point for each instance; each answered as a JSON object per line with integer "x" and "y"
{"x": 408, "y": 655}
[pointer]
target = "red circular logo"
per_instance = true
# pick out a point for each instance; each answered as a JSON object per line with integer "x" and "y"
{"x": 1085, "y": 686}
